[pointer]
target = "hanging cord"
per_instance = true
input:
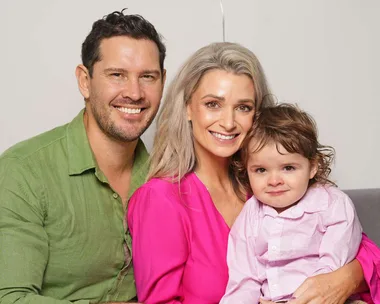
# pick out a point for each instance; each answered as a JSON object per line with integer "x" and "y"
{"x": 223, "y": 23}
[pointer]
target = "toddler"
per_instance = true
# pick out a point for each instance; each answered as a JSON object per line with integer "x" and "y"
{"x": 297, "y": 224}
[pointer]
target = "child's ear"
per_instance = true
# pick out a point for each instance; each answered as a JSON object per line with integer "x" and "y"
{"x": 313, "y": 168}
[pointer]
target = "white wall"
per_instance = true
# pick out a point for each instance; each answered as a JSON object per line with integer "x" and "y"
{"x": 321, "y": 54}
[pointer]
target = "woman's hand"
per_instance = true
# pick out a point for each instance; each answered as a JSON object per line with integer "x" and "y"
{"x": 331, "y": 288}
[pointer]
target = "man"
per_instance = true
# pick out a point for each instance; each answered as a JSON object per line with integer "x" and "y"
{"x": 63, "y": 194}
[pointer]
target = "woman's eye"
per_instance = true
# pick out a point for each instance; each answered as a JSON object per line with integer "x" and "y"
{"x": 260, "y": 170}
{"x": 244, "y": 108}
{"x": 211, "y": 104}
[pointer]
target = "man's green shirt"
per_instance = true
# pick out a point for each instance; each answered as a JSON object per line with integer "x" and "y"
{"x": 62, "y": 232}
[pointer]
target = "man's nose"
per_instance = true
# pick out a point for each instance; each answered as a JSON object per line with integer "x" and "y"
{"x": 133, "y": 90}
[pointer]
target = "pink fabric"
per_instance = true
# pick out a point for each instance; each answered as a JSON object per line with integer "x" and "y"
{"x": 272, "y": 254}
{"x": 369, "y": 258}
{"x": 180, "y": 245}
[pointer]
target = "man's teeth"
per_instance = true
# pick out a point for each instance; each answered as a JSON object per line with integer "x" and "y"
{"x": 128, "y": 110}
{"x": 221, "y": 136}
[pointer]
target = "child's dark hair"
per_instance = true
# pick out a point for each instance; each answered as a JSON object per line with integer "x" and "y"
{"x": 287, "y": 125}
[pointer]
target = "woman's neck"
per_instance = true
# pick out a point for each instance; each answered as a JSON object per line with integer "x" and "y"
{"x": 213, "y": 171}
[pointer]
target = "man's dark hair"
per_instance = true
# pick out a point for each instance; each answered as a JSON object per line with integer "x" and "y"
{"x": 118, "y": 24}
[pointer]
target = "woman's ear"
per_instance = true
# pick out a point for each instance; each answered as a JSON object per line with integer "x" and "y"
{"x": 83, "y": 79}
{"x": 188, "y": 111}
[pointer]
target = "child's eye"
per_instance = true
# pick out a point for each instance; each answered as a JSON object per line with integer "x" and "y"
{"x": 289, "y": 168}
{"x": 260, "y": 170}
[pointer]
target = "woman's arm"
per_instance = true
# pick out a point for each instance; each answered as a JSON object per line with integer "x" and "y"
{"x": 331, "y": 288}
{"x": 362, "y": 276}
{"x": 160, "y": 246}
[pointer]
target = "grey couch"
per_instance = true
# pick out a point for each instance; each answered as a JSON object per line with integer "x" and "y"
{"x": 367, "y": 204}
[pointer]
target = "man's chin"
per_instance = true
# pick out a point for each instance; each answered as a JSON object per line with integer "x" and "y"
{"x": 127, "y": 136}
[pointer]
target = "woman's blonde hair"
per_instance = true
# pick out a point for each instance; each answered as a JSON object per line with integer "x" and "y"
{"x": 173, "y": 153}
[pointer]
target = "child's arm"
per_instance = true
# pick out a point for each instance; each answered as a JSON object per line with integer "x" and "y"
{"x": 243, "y": 285}
{"x": 343, "y": 234}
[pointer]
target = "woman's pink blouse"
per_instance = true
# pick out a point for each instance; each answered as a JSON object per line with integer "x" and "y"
{"x": 179, "y": 242}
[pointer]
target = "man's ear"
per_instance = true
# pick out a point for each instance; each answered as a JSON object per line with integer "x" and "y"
{"x": 83, "y": 79}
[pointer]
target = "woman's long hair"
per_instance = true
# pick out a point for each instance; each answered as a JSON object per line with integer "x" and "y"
{"x": 173, "y": 153}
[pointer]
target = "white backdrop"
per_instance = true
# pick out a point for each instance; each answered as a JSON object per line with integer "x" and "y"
{"x": 323, "y": 54}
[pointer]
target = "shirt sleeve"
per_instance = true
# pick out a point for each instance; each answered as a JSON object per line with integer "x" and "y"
{"x": 342, "y": 236}
{"x": 243, "y": 284}
{"x": 160, "y": 245}
{"x": 23, "y": 240}
{"x": 369, "y": 258}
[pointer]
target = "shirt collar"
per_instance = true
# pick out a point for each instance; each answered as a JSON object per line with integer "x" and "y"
{"x": 315, "y": 200}
{"x": 81, "y": 158}
{"x": 140, "y": 167}
{"x": 80, "y": 155}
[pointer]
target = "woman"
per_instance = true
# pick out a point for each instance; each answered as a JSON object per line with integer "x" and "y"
{"x": 180, "y": 219}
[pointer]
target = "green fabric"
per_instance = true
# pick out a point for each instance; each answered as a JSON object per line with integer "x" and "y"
{"x": 62, "y": 236}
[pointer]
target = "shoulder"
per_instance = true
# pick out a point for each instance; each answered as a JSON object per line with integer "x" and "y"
{"x": 168, "y": 187}
{"x": 157, "y": 186}
{"x": 25, "y": 160}
{"x": 326, "y": 196}
{"x": 154, "y": 193}
{"x": 164, "y": 192}
{"x": 336, "y": 196}
{"x": 30, "y": 148}
{"x": 156, "y": 201}
{"x": 339, "y": 206}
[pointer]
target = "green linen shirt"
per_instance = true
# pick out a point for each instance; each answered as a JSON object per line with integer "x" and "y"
{"x": 62, "y": 232}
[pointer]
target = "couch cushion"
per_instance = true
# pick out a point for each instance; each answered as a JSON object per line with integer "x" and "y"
{"x": 367, "y": 204}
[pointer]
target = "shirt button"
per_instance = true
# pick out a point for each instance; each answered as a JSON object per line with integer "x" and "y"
{"x": 274, "y": 248}
{"x": 115, "y": 195}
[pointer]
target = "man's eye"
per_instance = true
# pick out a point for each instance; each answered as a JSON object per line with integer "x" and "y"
{"x": 116, "y": 75}
{"x": 148, "y": 77}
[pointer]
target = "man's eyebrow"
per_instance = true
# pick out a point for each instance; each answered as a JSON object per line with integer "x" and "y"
{"x": 221, "y": 98}
{"x": 118, "y": 70}
{"x": 121, "y": 70}
{"x": 156, "y": 72}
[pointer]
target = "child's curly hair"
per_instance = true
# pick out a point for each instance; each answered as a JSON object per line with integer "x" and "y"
{"x": 285, "y": 124}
